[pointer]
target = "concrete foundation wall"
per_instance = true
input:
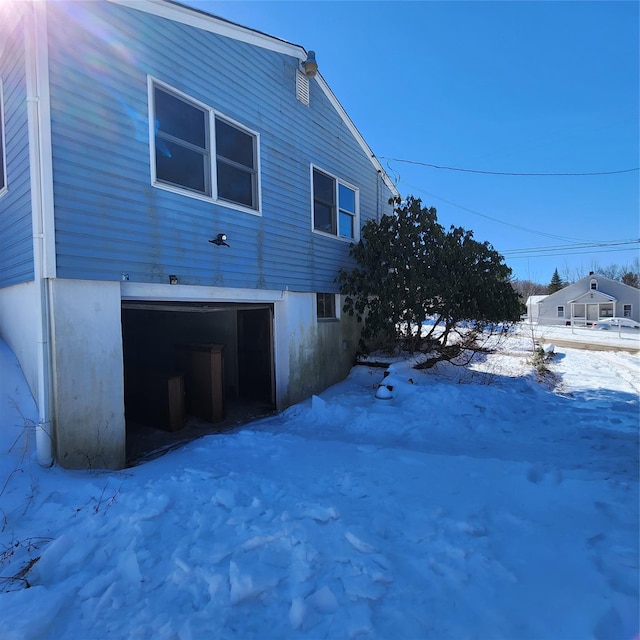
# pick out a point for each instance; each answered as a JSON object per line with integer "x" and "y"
{"x": 18, "y": 328}
{"x": 89, "y": 425}
{"x": 89, "y": 428}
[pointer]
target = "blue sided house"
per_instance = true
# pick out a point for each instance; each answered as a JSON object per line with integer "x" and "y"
{"x": 177, "y": 196}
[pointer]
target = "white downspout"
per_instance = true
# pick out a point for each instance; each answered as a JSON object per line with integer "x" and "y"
{"x": 41, "y": 211}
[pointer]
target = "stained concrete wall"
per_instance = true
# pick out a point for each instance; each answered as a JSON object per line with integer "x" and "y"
{"x": 316, "y": 354}
{"x": 87, "y": 360}
{"x": 89, "y": 425}
{"x": 18, "y": 328}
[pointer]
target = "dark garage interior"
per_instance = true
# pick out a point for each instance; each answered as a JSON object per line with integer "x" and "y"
{"x": 192, "y": 369}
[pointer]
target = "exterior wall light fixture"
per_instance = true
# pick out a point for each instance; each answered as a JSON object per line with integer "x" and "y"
{"x": 310, "y": 65}
{"x": 220, "y": 240}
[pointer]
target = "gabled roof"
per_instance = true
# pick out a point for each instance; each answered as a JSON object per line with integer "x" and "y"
{"x": 582, "y": 291}
{"x": 594, "y": 297}
{"x": 600, "y": 279}
{"x": 201, "y": 20}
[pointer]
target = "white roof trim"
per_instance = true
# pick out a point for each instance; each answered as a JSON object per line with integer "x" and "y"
{"x": 213, "y": 24}
{"x": 597, "y": 296}
{"x": 200, "y": 20}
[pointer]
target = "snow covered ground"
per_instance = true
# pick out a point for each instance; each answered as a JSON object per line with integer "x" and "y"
{"x": 595, "y": 337}
{"x": 476, "y": 503}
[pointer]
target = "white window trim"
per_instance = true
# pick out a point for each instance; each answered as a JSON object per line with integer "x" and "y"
{"x": 3, "y": 147}
{"x": 560, "y": 311}
{"x": 630, "y": 311}
{"x": 338, "y": 181}
{"x": 212, "y": 114}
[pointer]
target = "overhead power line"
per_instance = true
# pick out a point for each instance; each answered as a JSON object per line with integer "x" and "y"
{"x": 572, "y": 247}
{"x": 565, "y": 254}
{"x": 484, "y": 215}
{"x": 577, "y": 246}
{"x": 509, "y": 173}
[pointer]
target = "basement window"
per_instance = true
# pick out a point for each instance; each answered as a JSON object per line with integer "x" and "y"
{"x": 326, "y": 306}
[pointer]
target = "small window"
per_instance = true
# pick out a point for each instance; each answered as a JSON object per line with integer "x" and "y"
{"x": 335, "y": 206}
{"x": 626, "y": 311}
{"x": 560, "y": 311}
{"x": 347, "y": 211}
{"x": 326, "y": 306}
{"x": 197, "y": 151}
{"x": 606, "y": 310}
{"x": 594, "y": 285}
{"x": 3, "y": 157}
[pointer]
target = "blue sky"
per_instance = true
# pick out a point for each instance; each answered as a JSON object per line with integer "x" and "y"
{"x": 507, "y": 87}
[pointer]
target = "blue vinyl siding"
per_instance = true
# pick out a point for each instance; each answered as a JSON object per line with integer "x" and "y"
{"x": 16, "y": 245}
{"x": 109, "y": 219}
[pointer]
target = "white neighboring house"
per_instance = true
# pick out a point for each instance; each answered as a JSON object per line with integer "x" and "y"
{"x": 532, "y": 307}
{"x": 585, "y": 302}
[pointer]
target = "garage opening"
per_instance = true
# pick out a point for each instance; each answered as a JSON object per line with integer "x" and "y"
{"x": 192, "y": 369}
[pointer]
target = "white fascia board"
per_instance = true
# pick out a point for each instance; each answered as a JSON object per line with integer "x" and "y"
{"x": 213, "y": 24}
{"x": 193, "y": 293}
{"x": 219, "y": 26}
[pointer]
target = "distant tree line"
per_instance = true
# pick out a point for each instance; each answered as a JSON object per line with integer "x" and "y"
{"x": 626, "y": 273}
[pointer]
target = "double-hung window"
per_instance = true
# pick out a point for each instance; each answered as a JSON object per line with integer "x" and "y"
{"x": 335, "y": 206}
{"x": 560, "y": 311}
{"x": 3, "y": 157}
{"x": 198, "y": 152}
{"x": 237, "y": 177}
{"x": 182, "y": 142}
{"x": 626, "y": 311}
